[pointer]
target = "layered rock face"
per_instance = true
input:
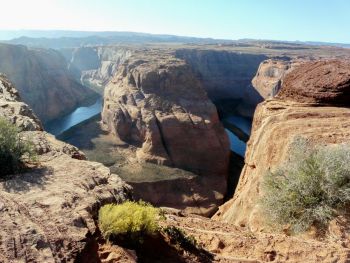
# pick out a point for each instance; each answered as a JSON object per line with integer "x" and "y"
{"x": 47, "y": 213}
{"x": 43, "y": 80}
{"x": 156, "y": 103}
{"x": 95, "y": 66}
{"x": 268, "y": 79}
{"x": 225, "y": 74}
{"x": 306, "y": 106}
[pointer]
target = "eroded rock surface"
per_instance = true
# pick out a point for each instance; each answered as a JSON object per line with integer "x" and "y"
{"x": 325, "y": 82}
{"x": 236, "y": 244}
{"x": 156, "y": 103}
{"x": 47, "y": 213}
{"x": 278, "y": 121}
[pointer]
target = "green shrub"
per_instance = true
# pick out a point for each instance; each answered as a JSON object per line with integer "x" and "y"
{"x": 14, "y": 151}
{"x": 310, "y": 189}
{"x": 132, "y": 220}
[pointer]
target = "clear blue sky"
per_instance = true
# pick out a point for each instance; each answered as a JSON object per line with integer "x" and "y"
{"x": 318, "y": 20}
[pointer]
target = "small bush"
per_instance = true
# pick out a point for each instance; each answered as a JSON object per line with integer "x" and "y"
{"x": 310, "y": 189}
{"x": 131, "y": 220}
{"x": 14, "y": 151}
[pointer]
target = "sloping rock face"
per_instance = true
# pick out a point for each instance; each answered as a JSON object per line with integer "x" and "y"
{"x": 47, "y": 213}
{"x": 42, "y": 78}
{"x": 278, "y": 121}
{"x": 156, "y": 103}
{"x": 14, "y": 110}
{"x": 268, "y": 79}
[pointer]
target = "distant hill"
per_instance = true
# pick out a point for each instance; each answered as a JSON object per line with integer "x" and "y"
{"x": 70, "y": 39}
{"x": 58, "y": 39}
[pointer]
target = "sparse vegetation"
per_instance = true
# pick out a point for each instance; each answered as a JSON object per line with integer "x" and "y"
{"x": 129, "y": 220}
{"x": 178, "y": 237}
{"x": 14, "y": 151}
{"x": 310, "y": 189}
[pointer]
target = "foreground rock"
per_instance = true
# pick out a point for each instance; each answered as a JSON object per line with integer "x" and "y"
{"x": 325, "y": 82}
{"x": 47, "y": 213}
{"x": 155, "y": 103}
{"x": 42, "y": 78}
{"x": 222, "y": 242}
{"x": 278, "y": 121}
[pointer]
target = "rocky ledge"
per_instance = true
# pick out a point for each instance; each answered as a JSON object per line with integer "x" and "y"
{"x": 306, "y": 106}
{"x": 47, "y": 213}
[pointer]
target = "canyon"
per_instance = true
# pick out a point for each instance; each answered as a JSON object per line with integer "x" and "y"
{"x": 145, "y": 124}
{"x": 168, "y": 116}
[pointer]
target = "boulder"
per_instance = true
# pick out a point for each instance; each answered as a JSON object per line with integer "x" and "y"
{"x": 325, "y": 82}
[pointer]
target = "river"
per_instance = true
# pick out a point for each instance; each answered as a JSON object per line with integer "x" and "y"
{"x": 238, "y": 146}
{"x": 79, "y": 115}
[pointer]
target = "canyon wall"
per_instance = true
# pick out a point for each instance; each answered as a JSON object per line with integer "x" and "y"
{"x": 225, "y": 75}
{"x": 157, "y": 104}
{"x": 313, "y": 103}
{"x": 48, "y": 212}
{"x": 43, "y": 80}
{"x": 95, "y": 66}
{"x": 268, "y": 79}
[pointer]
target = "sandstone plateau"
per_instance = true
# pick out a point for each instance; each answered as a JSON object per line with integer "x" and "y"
{"x": 48, "y": 213}
{"x": 156, "y": 103}
{"x": 308, "y": 105}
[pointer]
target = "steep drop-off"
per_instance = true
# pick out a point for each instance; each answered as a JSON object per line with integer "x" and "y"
{"x": 306, "y": 106}
{"x": 47, "y": 213}
{"x": 42, "y": 78}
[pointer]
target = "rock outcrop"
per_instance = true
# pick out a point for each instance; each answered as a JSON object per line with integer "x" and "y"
{"x": 325, "y": 82}
{"x": 42, "y": 78}
{"x": 156, "y": 103}
{"x": 306, "y": 106}
{"x": 47, "y": 213}
{"x": 268, "y": 79}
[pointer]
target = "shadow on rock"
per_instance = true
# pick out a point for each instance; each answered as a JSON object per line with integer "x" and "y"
{"x": 24, "y": 182}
